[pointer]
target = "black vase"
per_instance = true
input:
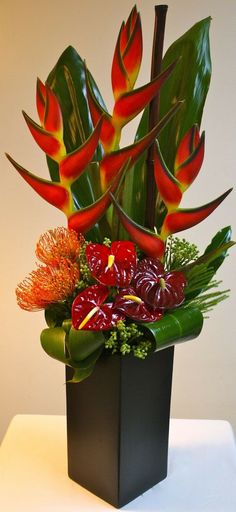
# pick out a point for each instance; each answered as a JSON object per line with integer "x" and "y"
{"x": 118, "y": 426}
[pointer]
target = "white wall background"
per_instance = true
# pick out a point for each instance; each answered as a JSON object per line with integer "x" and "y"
{"x": 33, "y": 35}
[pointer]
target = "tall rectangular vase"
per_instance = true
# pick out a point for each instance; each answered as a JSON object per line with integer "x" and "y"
{"x": 118, "y": 426}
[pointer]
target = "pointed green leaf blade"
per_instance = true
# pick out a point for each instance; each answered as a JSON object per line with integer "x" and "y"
{"x": 189, "y": 82}
{"x": 82, "y": 343}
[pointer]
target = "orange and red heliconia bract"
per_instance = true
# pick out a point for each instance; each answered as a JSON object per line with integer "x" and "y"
{"x": 167, "y": 185}
{"x": 58, "y": 243}
{"x": 73, "y": 164}
{"x": 180, "y": 219}
{"x": 131, "y": 103}
{"x": 53, "y": 192}
{"x": 128, "y": 55}
{"x": 47, "y": 285}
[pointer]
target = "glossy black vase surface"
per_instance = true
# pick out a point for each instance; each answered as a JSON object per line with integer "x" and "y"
{"x": 118, "y": 426}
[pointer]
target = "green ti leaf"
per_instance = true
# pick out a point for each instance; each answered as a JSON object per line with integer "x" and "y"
{"x": 177, "y": 326}
{"x": 189, "y": 82}
{"x": 67, "y": 80}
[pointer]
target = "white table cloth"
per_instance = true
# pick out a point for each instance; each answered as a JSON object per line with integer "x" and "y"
{"x": 33, "y": 470}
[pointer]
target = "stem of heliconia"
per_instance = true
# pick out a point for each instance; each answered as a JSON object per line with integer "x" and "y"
{"x": 157, "y": 51}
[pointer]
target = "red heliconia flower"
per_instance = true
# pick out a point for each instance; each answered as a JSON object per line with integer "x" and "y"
{"x": 114, "y": 266}
{"x": 150, "y": 243}
{"x": 53, "y": 192}
{"x": 159, "y": 289}
{"x": 129, "y": 303}
{"x": 90, "y": 313}
{"x": 128, "y": 55}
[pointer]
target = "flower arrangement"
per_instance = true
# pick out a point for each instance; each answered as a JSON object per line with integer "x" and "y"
{"x": 117, "y": 279}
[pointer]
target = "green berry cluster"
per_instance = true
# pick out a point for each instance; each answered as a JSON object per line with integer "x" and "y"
{"x": 84, "y": 269}
{"x": 179, "y": 252}
{"x": 126, "y": 338}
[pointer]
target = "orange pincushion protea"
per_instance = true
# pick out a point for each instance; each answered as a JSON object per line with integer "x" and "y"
{"x": 58, "y": 243}
{"x": 47, "y": 285}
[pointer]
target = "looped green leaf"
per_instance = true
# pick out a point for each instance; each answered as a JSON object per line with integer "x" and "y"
{"x": 53, "y": 342}
{"x": 82, "y": 343}
{"x": 177, "y": 326}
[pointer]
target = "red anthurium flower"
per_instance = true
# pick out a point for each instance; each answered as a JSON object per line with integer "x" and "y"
{"x": 128, "y": 55}
{"x": 128, "y": 302}
{"x": 90, "y": 313}
{"x": 159, "y": 289}
{"x": 114, "y": 266}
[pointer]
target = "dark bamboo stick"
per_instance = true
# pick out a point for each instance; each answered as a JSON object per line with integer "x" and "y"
{"x": 157, "y": 52}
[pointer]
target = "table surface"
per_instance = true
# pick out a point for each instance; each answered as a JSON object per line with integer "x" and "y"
{"x": 33, "y": 470}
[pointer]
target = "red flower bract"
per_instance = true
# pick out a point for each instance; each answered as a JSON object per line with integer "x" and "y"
{"x": 114, "y": 266}
{"x": 159, "y": 289}
{"x": 89, "y": 312}
{"x": 128, "y": 302}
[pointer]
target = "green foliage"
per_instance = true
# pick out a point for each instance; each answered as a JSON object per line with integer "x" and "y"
{"x": 200, "y": 272}
{"x": 189, "y": 82}
{"x": 176, "y": 326}
{"x": 179, "y": 252}
{"x": 127, "y": 338}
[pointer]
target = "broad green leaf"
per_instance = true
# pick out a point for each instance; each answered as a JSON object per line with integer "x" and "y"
{"x": 209, "y": 258}
{"x": 67, "y": 80}
{"x": 222, "y": 237}
{"x": 81, "y": 344}
{"x": 134, "y": 189}
{"x": 53, "y": 342}
{"x": 55, "y": 314}
{"x": 84, "y": 368}
{"x": 177, "y": 326}
{"x": 189, "y": 82}
{"x": 200, "y": 272}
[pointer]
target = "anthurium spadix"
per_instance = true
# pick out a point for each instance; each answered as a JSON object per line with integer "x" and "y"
{"x": 112, "y": 162}
{"x": 128, "y": 55}
{"x": 54, "y": 193}
{"x": 150, "y": 243}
